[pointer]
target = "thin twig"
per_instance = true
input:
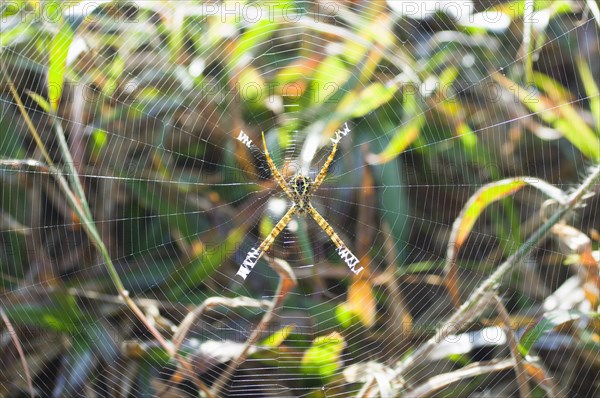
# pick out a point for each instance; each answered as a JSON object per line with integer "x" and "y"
{"x": 520, "y": 371}
{"x": 17, "y": 343}
{"x": 80, "y": 206}
{"x": 545, "y": 381}
{"x": 367, "y": 387}
{"x": 211, "y": 302}
{"x": 474, "y": 300}
{"x": 439, "y": 382}
{"x": 451, "y": 326}
{"x": 84, "y": 215}
{"x": 185, "y": 325}
{"x": 112, "y": 299}
{"x": 28, "y": 122}
{"x": 74, "y": 176}
{"x": 124, "y": 295}
{"x": 287, "y": 282}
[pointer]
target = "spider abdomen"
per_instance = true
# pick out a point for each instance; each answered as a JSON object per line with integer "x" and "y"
{"x": 302, "y": 188}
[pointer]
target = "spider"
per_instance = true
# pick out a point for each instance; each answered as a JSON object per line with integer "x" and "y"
{"x": 300, "y": 190}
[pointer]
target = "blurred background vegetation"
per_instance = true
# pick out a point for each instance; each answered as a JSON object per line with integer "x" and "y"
{"x": 136, "y": 107}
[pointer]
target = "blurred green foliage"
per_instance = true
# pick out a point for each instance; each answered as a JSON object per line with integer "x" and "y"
{"x": 152, "y": 95}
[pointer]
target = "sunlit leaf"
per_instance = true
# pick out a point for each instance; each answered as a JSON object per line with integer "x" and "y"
{"x": 252, "y": 87}
{"x": 553, "y": 88}
{"x": 99, "y": 139}
{"x": 277, "y": 338}
{"x": 447, "y": 77}
{"x": 346, "y": 315}
{"x": 53, "y": 10}
{"x": 287, "y": 78}
{"x": 258, "y": 33}
{"x": 372, "y": 97}
{"x": 516, "y": 9}
{"x": 560, "y": 114}
{"x": 401, "y": 140}
{"x": 328, "y": 78}
{"x": 466, "y": 135}
{"x": 322, "y": 359}
{"x": 265, "y": 226}
{"x": 41, "y": 101}
{"x": 478, "y": 202}
{"x": 378, "y": 31}
{"x": 59, "y": 48}
{"x": 62, "y": 315}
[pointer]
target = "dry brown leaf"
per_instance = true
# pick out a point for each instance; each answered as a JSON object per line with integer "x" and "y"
{"x": 362, "y": 301}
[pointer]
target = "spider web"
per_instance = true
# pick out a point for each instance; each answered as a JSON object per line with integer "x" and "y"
{"x": 155, "y": 98}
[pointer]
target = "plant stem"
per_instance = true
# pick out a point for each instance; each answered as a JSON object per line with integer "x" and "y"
{"x": 520, "y": 371}
{"x": 491, "y": 283}
{"x": 77, "y": 200}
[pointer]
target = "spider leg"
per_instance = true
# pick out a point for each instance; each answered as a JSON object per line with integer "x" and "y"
{"x": 323, "y": 173}
{"x": 254, "y": 254}
{"x": 346, "y": 255}
{"x": 276, "y": 174}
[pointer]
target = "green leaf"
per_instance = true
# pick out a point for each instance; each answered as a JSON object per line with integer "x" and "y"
{"x": 21, "y": 33}
{"x": 53, "y": 11}
{"x": 103, "y": 340}
{"x": 145, "y": 273}
{"x": 277, "y": 338}
{"x": 198, "y": 269}
{"x": 41, "y": 101}
{"x": 372, "y": 97}
{"x": 555, "y": 90}
{"x": 447, "y": 78}
{"x": 548, "y": 322}
{"x": 393, "y": 197}
{"x": 466, "y": 135}
{"x": 169, "y": 203}
{"x": 487, "y": 195}
{"x": 556, "y": 110}
{"x": 259, "y": 33}
{"x": 61, "y": 314}
{"x": 144, "y": 380}
{"x": 304, "y": 240}
{"x": 99, "y": 139}
{"x": 12, "y": 147}
{"x": 591, "y": 89}
{"x": 59, "y": 48}
{"x": 402, "y": 139}
{"x": 322, "y": 359}
{"x": 328, "y": 78}
{"x": 478, "y": 203}
{"x": 346, "y": 315}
